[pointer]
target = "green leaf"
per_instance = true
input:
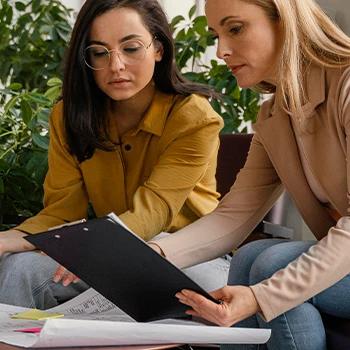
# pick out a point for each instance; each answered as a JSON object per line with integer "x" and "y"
{"x": 26, "y": 111}
{"x": 54, "y": 82}
{"x": 39, "y": 98}
{"x": 63, "y": 34}
{"x": 41, "y": 141}
{"x": 3, "y": 165}
{"x": 176, "y": 20}
{"x": 216, "y": 105}
{"x": 192, "y": 11}
{"x": 11, "y": 103}
{"x": 15, "y": 86}
{"x": 38, "y": 160}
{"x": 20, "y": 6}
{"x": 54, "y": 93}
{"x": 9, "y": 16}
{"x": 35, "y": 5}
{"x": 200, "y": 26}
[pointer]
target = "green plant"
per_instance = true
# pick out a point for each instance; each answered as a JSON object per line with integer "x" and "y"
{"x": 24, "y": 142}
{"x": 191, "y": 41}
{"x": 33, "y": 38}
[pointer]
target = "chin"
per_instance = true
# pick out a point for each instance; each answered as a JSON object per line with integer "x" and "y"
{"x": 245, "y": 85}
{"x": 122, "y": 96}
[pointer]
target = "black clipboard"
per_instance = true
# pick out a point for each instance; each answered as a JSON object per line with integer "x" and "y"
{"x": 120, "y": 266}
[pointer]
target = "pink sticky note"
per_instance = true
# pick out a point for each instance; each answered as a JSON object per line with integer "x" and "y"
{"x": 29, "y": 330}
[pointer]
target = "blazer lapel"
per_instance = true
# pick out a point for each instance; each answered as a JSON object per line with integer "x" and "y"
{"x": 277, "y": 136}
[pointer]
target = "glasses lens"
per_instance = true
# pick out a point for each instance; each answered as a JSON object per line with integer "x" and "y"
{"x": 132, "y": 52}
{"x": 96, "y": 57}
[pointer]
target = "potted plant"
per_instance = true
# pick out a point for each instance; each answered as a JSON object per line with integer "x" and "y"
{"x": 24, "y": 142}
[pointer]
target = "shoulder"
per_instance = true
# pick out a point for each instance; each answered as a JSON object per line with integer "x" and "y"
{"x": 186, "y": 115}
{"x": 338, "y": 86}
{"x": 193, "y": 109}
{"x": 56, "y": 116}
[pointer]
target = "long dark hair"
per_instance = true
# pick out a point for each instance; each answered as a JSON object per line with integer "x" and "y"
{"x": 84, "y": 104}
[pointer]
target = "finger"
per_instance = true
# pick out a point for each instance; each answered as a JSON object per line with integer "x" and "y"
{"x": 76, "y": 279}
{"x": 68, "y": 279}
{"x": 43, "y": 254}
{"x": 205, "y": 308}
{"x": 59, "y": 273}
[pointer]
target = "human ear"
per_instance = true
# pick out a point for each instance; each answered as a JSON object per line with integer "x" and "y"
{"x": 159, "y": 52}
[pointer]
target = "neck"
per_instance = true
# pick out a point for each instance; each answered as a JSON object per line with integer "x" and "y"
{"x": 129, "y": 113}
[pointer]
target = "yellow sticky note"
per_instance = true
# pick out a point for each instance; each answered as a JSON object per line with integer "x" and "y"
{"x": 36, "y": 315}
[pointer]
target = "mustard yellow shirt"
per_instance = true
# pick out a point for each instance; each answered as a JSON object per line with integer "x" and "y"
{"x": 161, "y": 178}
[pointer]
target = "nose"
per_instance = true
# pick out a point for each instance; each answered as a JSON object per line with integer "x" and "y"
{"x": 116, "y": 62}
{"x": 223, "y": 50}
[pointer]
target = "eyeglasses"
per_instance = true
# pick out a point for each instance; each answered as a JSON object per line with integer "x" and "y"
{"x": 131, "y": 52}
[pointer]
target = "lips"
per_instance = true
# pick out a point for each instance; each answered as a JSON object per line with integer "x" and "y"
{"x": 119, "y": 81}
{"x": 235, "y": 68}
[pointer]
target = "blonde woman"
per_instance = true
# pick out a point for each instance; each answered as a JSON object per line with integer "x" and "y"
{"x": 292, "y": 49}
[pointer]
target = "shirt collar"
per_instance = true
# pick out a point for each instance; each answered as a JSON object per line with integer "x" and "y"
{"x": 155, "y": 118}
{"x": 315, "y": 89}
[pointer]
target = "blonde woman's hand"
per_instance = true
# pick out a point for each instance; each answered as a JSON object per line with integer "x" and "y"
{"x": 237, "y": 303}
{"x": 64, "y": 275}
{"x": 12, "y": 241}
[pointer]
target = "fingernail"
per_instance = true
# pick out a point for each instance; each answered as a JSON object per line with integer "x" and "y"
{"x": 65, "y": 282}
{"x": 57, "y": 278}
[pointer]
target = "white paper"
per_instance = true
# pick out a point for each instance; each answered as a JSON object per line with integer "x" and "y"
{"x": 92, "y": 320}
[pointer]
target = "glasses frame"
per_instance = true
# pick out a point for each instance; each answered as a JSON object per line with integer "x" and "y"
{"x": 120, "y": 55}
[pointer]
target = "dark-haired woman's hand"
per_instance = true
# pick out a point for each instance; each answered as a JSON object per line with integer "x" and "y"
{"x": 67, "y": 278}
{"x": 12, "y": 242}
{"x": 237, "y": 303}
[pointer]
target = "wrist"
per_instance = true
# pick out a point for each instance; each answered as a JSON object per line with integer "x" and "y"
{"x": 157, "y": 248}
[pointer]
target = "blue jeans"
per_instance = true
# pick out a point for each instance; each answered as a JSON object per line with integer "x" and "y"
{"x": 300, "y": 328}
{"x": 26, "y": 279}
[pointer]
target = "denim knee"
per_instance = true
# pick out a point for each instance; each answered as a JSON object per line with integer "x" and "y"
{"x": 17, "y": 264}
{"x": 275, "y": 258}
{"x": 244, "y": 257}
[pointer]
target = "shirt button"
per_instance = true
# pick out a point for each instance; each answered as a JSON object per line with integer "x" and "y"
{"x": 127, "y": 147}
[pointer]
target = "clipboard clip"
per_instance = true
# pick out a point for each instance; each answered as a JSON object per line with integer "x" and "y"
{"x": 67, "y": 224}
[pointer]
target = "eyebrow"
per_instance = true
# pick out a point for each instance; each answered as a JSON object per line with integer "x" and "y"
{"x": 125, "y": 38}
{"x": 223, "y": 21}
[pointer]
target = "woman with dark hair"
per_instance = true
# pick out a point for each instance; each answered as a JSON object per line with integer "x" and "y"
{"x": 130, "y": 136}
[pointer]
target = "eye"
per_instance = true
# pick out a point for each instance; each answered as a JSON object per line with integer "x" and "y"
{"x": 235, "y": 30}
{"x": 98, "y": 51}
{"x": 131, "y": 47}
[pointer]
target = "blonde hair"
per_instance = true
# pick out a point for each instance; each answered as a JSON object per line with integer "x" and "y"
{"x": 310, "y": 36}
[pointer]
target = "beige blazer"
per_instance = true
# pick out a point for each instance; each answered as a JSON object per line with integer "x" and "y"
{"x": 273, "y": 164}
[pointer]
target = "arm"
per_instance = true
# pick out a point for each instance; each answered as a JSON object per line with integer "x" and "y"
{"x": 325, "y": 263}
{"x": 182, "y": 180}
{"x": 65, "y": 197}
{"x": 12, "y": 241}
{"x": 256, "y": 189}
{"x": 322, "y": 266}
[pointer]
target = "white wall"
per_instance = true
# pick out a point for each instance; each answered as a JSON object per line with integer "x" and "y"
{"x": 339, "y": 10}
{"x": 74, "y": 4}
